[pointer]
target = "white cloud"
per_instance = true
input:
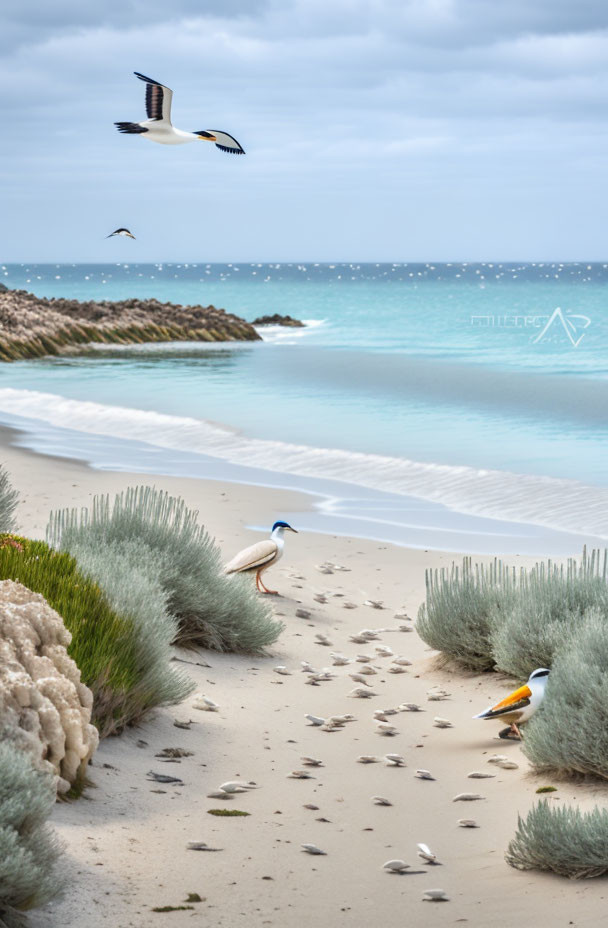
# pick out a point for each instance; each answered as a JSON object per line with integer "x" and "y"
{"x": 337, "y": 101}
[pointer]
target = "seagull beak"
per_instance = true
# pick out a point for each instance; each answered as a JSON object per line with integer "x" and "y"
{"x": 206, "y": 137}
{"x": 131, "y": 236}
{"x": 294, "y": 530}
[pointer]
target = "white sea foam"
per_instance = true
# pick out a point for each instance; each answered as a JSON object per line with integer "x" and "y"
{"x": 567, "y": 505}
{"x": 288, "y": 334}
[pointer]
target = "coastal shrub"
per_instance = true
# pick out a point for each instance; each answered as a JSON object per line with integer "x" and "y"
{"x": 563, "y": 840}
{"x": 462, "y": 606}
{"x": 550, "y": 604}
{"x": 569, "y": 735}
{"x": 8, "y": 502}
{"x": 104, "y": 643}
{"x": 211, "y": 609}
{"x": 130, "y": 578}
{"x": 29, "y": 851}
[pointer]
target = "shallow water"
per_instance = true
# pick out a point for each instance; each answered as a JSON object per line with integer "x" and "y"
{"x": 451, "y": 403}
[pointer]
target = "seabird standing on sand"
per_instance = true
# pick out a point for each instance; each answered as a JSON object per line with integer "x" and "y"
{"x": 158, "y": 127}
{"x": 521, "y": 704}
{"x": 123, "y": 232}
{"x": 261, "y": 556}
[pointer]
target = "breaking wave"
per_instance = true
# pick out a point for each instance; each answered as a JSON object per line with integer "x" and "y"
{"x": 561, "y": 504}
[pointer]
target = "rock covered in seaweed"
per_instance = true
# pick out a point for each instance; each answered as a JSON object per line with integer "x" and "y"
{"x": 277, "y": 319}
{"x": 41, "y": 694}
{"x": 32, "y": 326}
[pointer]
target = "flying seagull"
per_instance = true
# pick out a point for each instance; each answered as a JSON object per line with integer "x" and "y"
{"x": 124, "y": 232}
{"x": 158, "y": 127}
{"x": 261, "y": 556}
{"x": 519, "y": 705}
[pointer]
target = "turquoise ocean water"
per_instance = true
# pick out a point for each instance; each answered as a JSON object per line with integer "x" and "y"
{"x": 460, "y": 406}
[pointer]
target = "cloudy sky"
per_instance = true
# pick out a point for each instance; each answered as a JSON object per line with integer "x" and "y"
{"x": 375, "y": 130}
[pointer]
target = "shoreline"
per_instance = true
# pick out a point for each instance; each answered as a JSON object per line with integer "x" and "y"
{"x": 335, "y": 507}
{"x": 127, "y": 842}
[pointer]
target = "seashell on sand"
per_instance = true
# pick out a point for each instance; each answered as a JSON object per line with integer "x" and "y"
{"x": 507, "y": 765}
{"x": 395, "y": 866}
{"x": 435, "y": 895}
{"x": 479, "y": 775}
{"x": 300, "y": 775}
{"x": 410, "y": 707}
{"x": 311, "y": 761}
{"x": 313, "y": 849}
{"x": 359, "y": 692}
{"x": 203, "y": 703}
{"x": 283, "y": 671}
{"x": 397, "y": 668}
{"x": 467, "y": 823}
{"x": 368, "y": 759}
{"x": 466, "y": 797}
{"x": 424, "y": 775}
{"x": 438, "y": 722}
{"x": 381, "y": 801}
{"x": 497, "y": 758}
{"x": 395, "y": 760}
{"x": 386, "y": 729}
{"x": 425, "y": 853}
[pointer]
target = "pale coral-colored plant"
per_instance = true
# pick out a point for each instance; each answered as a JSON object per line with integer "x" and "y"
{"x": 41, "y": 692}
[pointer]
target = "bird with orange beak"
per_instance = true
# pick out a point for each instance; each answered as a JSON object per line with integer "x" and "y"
{"x": 521, "y": 704}
{"x": 159, "y": 128}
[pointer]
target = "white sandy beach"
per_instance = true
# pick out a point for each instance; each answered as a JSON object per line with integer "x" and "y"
{"x": 126, "y": 840}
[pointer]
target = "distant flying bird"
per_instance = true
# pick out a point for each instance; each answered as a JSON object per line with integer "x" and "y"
{"x": 518, "y": 706}
{"x": 158, "y": 126}
{"x": 124, "y": 232}
{"x": 261, "y": 556}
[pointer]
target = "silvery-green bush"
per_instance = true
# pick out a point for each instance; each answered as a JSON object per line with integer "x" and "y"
{"x": 211, "y": 609}
{"x": 462, "y": 607}
{"x": 569, "y": 734}
{"x": 129, "y": 574}
{"x": 8, "y": 502}
{"x": 561, "y": 839}
{"x": 29, "y": 851}
{"x": 550, "y": 605}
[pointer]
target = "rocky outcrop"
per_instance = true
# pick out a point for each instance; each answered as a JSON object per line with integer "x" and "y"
{"x": 43, "y": 702}
{"x": 31, "y": 327}
{"x": 277, "y": 319}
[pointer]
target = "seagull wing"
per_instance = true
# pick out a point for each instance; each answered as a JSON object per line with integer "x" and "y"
{"x": 514, "y": 702}
{"x": 255, "y": 556}
{"x": 227, "y": 142}
{"x": 158, "y": 99}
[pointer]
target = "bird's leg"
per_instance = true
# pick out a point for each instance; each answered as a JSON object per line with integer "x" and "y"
{"x": 265, "y": 588}
{"x": 516, "y": 731}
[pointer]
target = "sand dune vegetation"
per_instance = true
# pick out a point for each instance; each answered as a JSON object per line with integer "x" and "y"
{"x": 553, "y": 616}
{"x": 104, "y": 642}
{"x": 30, "y": 874}
{"x": 210, "y": 609}
{"x": 564, "y": 840}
